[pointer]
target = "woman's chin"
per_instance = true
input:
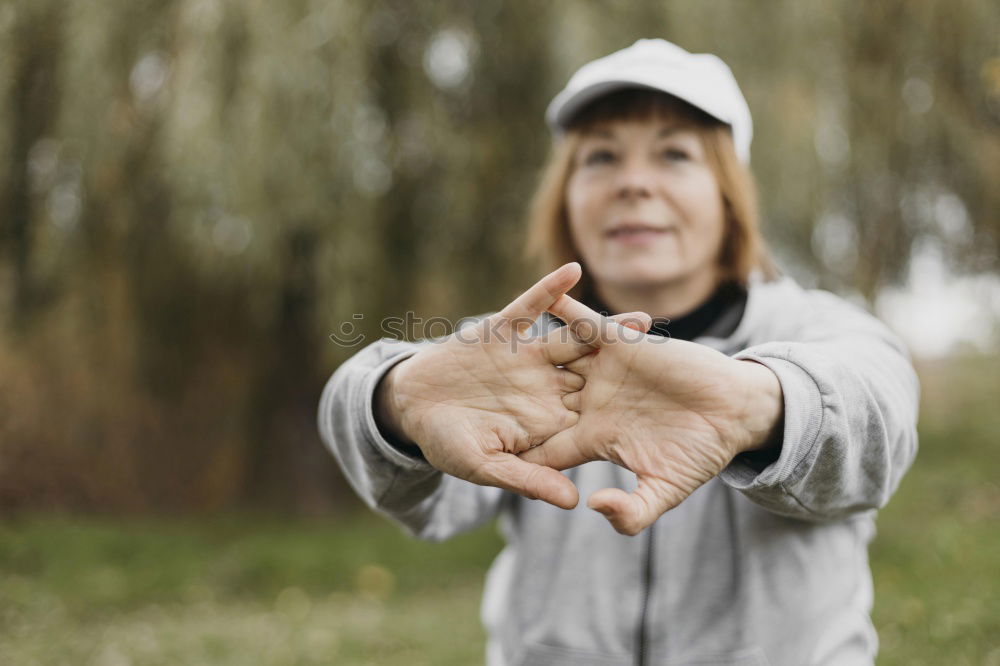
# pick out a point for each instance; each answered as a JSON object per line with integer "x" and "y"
{"x": 639, "y": 275}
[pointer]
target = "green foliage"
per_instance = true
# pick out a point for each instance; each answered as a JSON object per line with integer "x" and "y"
{"x": 237, "y": 591}
{"x": 937, "y": 596}
{"x": 102, "y": 565}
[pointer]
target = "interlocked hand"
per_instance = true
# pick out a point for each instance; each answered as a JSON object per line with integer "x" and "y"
{"x": 673, "y": 412}
{"x": 488, "y": 392}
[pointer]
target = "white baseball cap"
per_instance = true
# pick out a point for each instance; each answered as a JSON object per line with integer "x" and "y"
{"x": 700, "y": 79}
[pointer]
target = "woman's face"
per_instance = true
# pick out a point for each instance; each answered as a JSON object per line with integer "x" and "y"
{"x": 644, "y": 207}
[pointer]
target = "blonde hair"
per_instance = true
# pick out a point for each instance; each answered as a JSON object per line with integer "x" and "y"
{"x": 743, "y": 248}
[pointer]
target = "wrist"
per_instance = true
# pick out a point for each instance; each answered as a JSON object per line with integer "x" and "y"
{"x": 763, "y": 410}
{"x": 388, "y": 408}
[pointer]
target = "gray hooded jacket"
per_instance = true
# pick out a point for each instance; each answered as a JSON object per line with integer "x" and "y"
{"x": 758, "y": 566}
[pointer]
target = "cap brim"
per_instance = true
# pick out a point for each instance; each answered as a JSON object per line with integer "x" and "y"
{"x": 564, "y": 107}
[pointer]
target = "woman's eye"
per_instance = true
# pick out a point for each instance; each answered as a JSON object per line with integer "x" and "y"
{"x": 675, "y": 154}
{"x": 600, "y": 156}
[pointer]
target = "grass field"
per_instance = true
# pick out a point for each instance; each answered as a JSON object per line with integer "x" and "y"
{"x": 251, "y": 590}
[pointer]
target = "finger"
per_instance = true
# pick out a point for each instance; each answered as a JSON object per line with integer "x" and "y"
{"x": 638, "y": 321}
{"x": 570, "y": 382}
{"x": 631, "y": 513}
{"x": 569, "y": 419}
{"x": 526, "y": 308}
{"x": 587, "y": 326}
{"x": 533, "y": 481}
{"x": 560, "y": 451}
{"x": 573, "y": 401}
{"x": 560, "y": 346}
{"x": 581, "y": 366}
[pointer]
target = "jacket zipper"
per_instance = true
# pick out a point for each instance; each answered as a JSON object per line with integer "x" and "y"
{"x": 647, "y": 588}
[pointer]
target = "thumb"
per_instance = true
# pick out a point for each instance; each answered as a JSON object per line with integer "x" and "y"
{"x": 631, "y": 513}
{"x": 528, "y": 306}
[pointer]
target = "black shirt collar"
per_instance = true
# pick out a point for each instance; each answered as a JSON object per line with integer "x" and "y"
{"x": 717, "y": 317}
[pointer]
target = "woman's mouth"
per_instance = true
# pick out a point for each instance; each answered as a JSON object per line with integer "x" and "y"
{"x": 636, "y": 234}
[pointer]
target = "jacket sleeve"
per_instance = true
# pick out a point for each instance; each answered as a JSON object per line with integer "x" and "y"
{"x": 427, "y": 503}
{"x": 850, "y": 410}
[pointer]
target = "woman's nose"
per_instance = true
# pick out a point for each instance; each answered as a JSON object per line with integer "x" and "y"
{"x": 634, "y": 179}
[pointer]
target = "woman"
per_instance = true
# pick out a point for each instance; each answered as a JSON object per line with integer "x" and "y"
{"x": 738, "y": 449}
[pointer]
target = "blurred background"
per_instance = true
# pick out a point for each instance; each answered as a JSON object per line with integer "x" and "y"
{"x": 195, "y": 194}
